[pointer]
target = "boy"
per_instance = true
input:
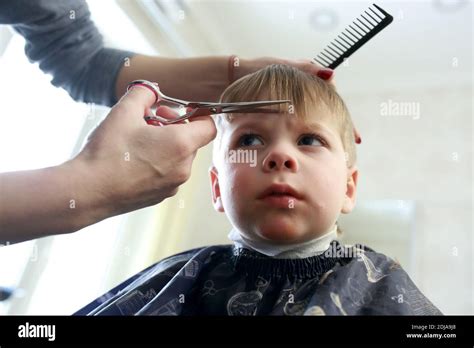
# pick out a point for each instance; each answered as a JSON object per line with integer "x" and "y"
{"x": 283, "y": 206}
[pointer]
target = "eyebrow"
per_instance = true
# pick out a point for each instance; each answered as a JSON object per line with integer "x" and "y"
{"x": 258, "y": 122}
{"x": 321, "y": 127}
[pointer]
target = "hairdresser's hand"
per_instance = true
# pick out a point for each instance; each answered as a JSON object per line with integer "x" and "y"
{"x": 125, "y": 165}
{"x": 243, "y": 67}
{"x": 136, "y": 164}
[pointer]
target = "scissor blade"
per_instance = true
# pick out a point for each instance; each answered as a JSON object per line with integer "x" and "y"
{"x": 245, "y": 104}
{"x": 245, "y": 107}
{"x": 179, "y": 101}
{"x": 250, "y": 110}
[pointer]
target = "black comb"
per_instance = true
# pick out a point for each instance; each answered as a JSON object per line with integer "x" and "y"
{"x": 354, "y": 37}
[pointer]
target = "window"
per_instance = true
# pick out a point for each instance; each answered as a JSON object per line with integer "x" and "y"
{"x": 41, "y": 126}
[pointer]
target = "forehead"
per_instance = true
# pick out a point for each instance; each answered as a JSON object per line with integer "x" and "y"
{"x": 316, "y": 120}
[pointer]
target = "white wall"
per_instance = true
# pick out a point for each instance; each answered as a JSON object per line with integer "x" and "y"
{"x": 423, "y": 159}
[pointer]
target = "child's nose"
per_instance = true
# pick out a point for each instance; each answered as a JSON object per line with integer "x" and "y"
{"x": 279, "y": 160}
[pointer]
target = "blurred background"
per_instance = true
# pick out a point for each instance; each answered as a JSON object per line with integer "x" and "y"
{"x": 410, "y": 92}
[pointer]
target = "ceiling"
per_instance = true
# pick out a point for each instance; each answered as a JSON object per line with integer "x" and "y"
{"x": 422, "y": 35}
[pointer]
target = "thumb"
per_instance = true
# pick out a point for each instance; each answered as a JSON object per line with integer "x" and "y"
{"x": 141, "y": 95}
{"x": 201, "y": 131}
{"x": 134, "y": 105}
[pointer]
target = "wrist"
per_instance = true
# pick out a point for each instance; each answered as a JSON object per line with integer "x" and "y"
{"x": 87, "y": 193}
{"x": 233, "y": 62}
{"x": 237, "y": 68}
{"x": 242, "y": 67}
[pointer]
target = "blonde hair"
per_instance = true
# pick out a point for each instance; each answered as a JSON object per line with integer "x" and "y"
{"x": 306, "y": 93}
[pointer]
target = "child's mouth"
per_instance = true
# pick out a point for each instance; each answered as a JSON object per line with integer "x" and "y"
{"x": 280, "y": 195}
{"x": 280, "y": 201}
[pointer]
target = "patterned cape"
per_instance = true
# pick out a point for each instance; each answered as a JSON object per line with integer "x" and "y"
{"x": 227, "y": 280}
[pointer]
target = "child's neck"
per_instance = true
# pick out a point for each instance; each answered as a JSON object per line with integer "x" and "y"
{"x": 292, "y": 251}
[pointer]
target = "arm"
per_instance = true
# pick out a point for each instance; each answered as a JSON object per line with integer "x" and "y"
{"x": 203, "y": 78}
{"x": 119, "y": 170}
{"x": 62, "y": 38}
{"x": 48, "y": 201}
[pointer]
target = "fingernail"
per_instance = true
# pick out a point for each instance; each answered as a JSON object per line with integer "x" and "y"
{"x": 358, "y": 140}
{"x": 325, "y": 74}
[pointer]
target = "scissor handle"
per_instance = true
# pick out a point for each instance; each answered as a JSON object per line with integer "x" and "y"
{"x": 152, "y": 86}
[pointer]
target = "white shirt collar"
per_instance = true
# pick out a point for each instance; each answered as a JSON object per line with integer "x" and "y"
{"x": 289, "y": 251}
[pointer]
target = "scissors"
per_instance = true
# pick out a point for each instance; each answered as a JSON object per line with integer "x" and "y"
{"x": 195, "y": 109}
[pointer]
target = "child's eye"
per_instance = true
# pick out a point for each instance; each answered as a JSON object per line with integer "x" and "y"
{"x": 249, "y": 140}
{"x": 309, "y": 140}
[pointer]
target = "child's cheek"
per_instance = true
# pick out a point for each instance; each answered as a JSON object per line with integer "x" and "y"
{"x": 242, "y": 178}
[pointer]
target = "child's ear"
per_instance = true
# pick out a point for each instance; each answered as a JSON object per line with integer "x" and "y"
{"x": 216, "y": 191}
{"x": 349, "y": 199}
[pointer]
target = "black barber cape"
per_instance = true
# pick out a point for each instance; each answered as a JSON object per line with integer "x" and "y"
{"x": 227, "y": 280}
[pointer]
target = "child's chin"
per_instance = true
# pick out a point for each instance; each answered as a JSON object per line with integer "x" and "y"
{"x": 281, "y": 231}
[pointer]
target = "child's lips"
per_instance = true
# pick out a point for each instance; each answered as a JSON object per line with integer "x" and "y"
{"x": 280, "y": 189}
{"x": 280, "y": 201}
{"x": 280, "y": 195}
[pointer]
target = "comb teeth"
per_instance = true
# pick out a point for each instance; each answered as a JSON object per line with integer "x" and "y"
{"x": 360, "y": 31}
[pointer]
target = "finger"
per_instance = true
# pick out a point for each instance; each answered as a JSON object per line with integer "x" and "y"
{"x": 325, "y": 74}
{"x": 141, "y": 96}
{"x": 166, "y": 112}
{"x": 199, "y": 118}
{"x": 314, "y": 68}
{"x": 133, "y": 106}
{"x": 321, "y": 71}
{"x": 170, "y": 113}
{"x": 201, "y": 131}
{"x": 358, "y": 139}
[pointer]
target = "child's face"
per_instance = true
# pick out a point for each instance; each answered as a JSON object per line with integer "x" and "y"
{"x": 295, "y": 187}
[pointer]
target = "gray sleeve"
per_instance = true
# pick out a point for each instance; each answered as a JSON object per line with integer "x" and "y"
{"x": 61, "y": 36}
